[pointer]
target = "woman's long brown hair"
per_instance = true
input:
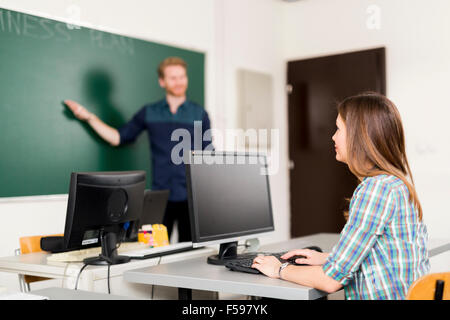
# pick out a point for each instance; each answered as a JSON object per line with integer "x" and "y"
{"x": 375, "y": 140}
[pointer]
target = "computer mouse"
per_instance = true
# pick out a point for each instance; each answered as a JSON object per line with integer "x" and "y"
{"x": 316, "y": 248}
{"x": 292, "y": 259}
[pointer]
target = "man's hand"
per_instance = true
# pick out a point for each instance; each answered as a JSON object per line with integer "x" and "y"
{"x": 78, "y": 110}
{"x": 109, "y": 134}
{"x": 312, "y": 257}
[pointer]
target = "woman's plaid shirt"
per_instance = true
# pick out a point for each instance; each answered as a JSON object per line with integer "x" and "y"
{"x": 382, "y": 249}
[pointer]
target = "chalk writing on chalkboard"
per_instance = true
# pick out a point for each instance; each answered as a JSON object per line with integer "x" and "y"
{"x": 33, "y": 27}
{"x": 112, "y": 42}
{"x": 44, "y": 29}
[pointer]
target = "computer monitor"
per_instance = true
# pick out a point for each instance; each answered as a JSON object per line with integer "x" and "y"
{"x": 155, "y": 203}
{"x": 229, "y": 199}
{"x": 100, "y": 205}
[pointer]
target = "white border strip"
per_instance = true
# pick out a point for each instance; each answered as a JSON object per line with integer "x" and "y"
{"x": 43, "y": 198}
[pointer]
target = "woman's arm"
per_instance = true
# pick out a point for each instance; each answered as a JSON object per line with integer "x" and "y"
{"x": 310, "y": 276}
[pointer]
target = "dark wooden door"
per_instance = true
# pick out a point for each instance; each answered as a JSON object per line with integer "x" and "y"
{"x": 319, "y": 183}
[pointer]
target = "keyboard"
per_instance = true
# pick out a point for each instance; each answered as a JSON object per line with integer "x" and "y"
{"x": 136, "y": 250}
{"x": 147, "y": 253}
{"x": 243, "y": 262}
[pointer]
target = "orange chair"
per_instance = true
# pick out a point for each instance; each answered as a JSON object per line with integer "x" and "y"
{"x": 29, "y": 245}
{"x": 434, "y": 286}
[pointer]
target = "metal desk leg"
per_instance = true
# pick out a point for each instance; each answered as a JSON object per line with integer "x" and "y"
{"x": 184, "y": 294}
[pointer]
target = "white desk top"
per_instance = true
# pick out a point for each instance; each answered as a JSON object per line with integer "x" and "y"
{"x": 36, "y": 264}
{"x": 440, "y": 262}
{"x": 197, "y": 274}
{"x": 61, "y": 294}
{"x": 69, "y": 294}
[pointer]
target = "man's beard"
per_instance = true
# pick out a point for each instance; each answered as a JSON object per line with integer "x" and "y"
{"x": 176, "y": 93}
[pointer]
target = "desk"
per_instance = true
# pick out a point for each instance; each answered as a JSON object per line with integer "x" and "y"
{"x": 132, "y": 284}
{"x": 68, "y": 294}
{"x": 440, "y": 262}
{"x": 94, "y": 278}
{"x": 197, "y": 274}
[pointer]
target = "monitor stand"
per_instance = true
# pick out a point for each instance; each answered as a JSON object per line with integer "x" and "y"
{"x": 109, "y": 254}
{"x": 226, "y": 251}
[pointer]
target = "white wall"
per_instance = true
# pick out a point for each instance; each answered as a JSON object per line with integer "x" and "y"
{"x": 416, "y": 34}
{"x": 250, "y": 39}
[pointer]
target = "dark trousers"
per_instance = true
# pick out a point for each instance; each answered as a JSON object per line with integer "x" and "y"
{"x": 178, "y": 211}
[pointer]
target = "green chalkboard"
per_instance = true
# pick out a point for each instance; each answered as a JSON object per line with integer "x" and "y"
{"x": 43, "y": 62}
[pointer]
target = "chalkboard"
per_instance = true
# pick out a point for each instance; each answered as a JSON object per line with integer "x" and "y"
{"x": 43, "y": 62}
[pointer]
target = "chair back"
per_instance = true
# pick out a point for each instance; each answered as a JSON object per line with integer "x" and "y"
{"x": 32, "y": 244}
{"x": 434, "y": 286}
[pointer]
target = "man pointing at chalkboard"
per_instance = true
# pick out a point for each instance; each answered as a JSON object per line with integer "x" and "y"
{"x": 160, "y": 119}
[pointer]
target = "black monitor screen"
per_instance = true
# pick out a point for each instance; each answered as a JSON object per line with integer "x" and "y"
{"x": 100, "y": 205}
{"x": 228, "y": 199}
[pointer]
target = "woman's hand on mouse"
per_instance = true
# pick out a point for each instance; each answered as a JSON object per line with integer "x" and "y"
{"x": 312, "y": 257}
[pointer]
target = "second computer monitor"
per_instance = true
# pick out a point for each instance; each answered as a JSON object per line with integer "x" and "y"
{"x": 99, "y": 206}
{"x": 229, "y": 199}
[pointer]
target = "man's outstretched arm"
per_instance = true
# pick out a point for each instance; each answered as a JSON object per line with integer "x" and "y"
{"x": 106, "y": 132}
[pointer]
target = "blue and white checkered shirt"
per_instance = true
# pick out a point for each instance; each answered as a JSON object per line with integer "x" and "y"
{"x": 382, "y": 248}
